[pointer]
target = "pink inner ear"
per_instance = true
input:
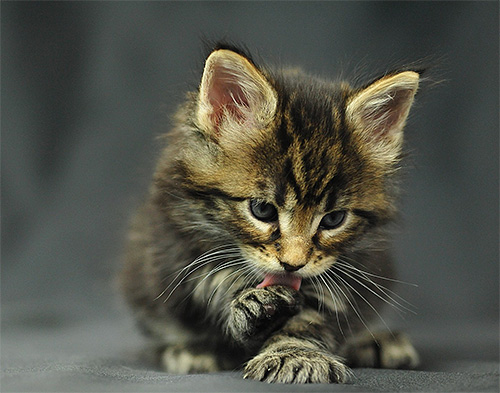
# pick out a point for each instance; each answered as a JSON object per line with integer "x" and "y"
{"x": 387, "y": 117}
{"x": 226, "y": 95}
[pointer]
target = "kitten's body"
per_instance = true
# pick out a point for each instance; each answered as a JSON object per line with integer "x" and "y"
{"x": 262, "y": 243}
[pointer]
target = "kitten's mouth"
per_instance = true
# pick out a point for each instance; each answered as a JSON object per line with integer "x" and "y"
{"x": 286, "y": 279}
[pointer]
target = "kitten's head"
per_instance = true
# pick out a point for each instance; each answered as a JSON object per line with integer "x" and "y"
{"x": 292, "y": 169}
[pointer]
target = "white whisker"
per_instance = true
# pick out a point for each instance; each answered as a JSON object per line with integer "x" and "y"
{"x": 336, "y": 302}
{"x": 398, "y": 307}
{"x": 350, "y": 299}
{"x": 218, "y": 268}
{"x": 238, "y": 271}
{"x": 346, "y": 283}
{"x": 345, "y": 263}
{"x": 215, "y": 254}
{"x": 320, "y": 293}
{"x": 350, "y": 270}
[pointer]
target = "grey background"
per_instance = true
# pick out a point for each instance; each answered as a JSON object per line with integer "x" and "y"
{"x": 87, "y": 86}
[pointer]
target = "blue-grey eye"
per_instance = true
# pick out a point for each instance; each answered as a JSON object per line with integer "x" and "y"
{"x": 333, "y": 220}
{"x": 263, "y": 211}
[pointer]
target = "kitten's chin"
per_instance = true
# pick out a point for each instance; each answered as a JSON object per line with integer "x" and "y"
{"x": 286, "y": 279}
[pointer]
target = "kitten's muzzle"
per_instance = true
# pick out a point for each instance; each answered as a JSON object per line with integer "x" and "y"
{"x": 294, "y": 253}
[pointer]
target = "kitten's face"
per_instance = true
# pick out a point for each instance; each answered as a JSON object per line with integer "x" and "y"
{"x": 294, "y": 170}
{"x": 298, "y": 205}
{"x": 302, "y": 240}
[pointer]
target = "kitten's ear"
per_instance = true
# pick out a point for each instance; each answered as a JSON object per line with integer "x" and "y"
{"x": 379, "y": 111}
{"x": 234, "y": 97}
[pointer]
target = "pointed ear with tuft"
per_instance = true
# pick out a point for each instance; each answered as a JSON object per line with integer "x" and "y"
{"x": 235, "y": 98}
{"x": 379, "y": 112}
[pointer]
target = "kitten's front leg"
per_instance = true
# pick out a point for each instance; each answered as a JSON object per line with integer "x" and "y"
{"x": 300, "y": 352}
{"x": 257, "y": 312}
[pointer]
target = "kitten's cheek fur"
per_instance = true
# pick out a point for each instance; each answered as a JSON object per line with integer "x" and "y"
{"x": 257, "y": 312}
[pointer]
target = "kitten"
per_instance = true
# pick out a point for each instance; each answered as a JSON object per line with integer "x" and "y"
{"x": 262, "y": 244}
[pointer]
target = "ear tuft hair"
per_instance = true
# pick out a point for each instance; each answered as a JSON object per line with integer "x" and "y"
{"x": 378, "y": 112}
{"x": 235, "y": 98}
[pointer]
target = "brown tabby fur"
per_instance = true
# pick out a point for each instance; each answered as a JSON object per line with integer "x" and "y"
{"x": 196, "y": 254}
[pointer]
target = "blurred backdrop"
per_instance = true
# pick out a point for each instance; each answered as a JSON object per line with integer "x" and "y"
{"x": 87, "y": 87}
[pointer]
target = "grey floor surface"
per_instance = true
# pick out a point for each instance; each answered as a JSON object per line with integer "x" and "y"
{"x": 74, "y": 348}
{"x": 86, "y": 88}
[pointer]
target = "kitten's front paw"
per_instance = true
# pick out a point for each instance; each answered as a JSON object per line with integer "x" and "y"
{"x": 257, "y": 312}
{"x": 296, "y": 365}
{"x": 180, "y": 359}
{"x": 383, "y": 349}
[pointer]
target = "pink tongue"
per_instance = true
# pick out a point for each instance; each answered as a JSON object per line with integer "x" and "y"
{"x": 288, "y": 280}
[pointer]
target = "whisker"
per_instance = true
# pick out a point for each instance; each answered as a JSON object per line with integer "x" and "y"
{"x": 252, "y": 276}
{"x": 384, "y": 290}
{"x": 217, "y": 253}
{"x": 335, "y": 304}
{"x": 391, "y": 302}
{"x": 200, "y": 263}
{"x": 238, "y": 271}
{"x": 351, "y": 299}
{"x": 346, "y": 283}
{"x": 205, "y": 275}
{"x": 320, "y": 293}
{"x": 217, "y": 268}
{"x": 347, "y": 295}
{"x": 374, "y": 275}
{"x": 213, "y": 252}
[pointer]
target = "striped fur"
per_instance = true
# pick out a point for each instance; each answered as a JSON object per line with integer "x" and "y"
{"x": 197, "y": 253}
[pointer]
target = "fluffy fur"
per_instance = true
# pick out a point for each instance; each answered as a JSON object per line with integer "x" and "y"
{"x": 262, "y": 243}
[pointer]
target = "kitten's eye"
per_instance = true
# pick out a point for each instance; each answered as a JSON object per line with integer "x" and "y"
{"x": 333, "y": 220}
{"x": 263, "y": 211}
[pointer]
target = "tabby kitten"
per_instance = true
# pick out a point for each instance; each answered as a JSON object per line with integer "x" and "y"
{"x": 262, "y": 243}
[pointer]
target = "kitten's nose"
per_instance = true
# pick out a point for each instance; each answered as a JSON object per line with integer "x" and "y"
{"x": 291, "y": 268}
{"x": 294, "y": 252}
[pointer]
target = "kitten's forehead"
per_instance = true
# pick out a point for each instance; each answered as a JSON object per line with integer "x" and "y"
{"x": 310, "y": 168}
{"x": 304, "y": 185}
{"x": 296, "y": 219}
